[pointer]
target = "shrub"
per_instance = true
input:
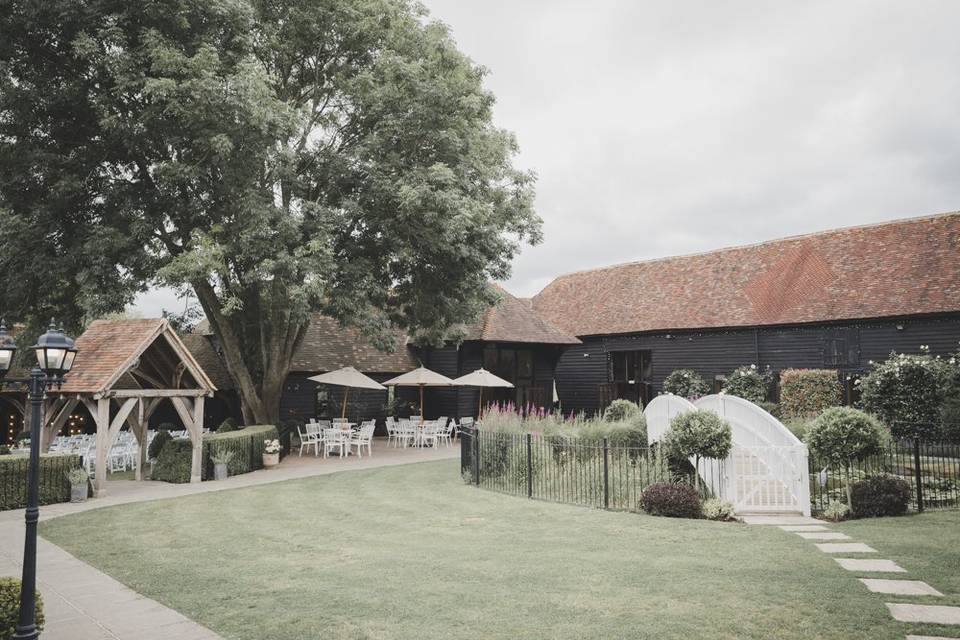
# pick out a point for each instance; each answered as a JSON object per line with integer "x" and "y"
{"x": 714, "y": 509}
{"x": 698, "y": 434}
{"x": 880, "y": 495}
{"x": 621, "y": 409}
{"x": 748, "y": 383}
{"x": 907, "y": 392}
{"x": 671, "y": 500}
{"x": 163, "y": 437}
{"x": 770, "y": 407}
{"x": 4, "y": 450}
{"x": 174, "y": 461}
{"x": 835, "y": 511}
{"x": 805, "y": 393}
{"x": 53, "y": 488}
{"x": 10, "y": 607}
{"x": 950, "y": 415}
{"x": 799, "y": 426}
{"x": 628, "y": 433}
{"x": 686, "y": 383}
{"x": 842, "y": 435}
{"x": 168, "y": 426}
{"x": 229, "y": 424}
{"x": 246, "y": 444}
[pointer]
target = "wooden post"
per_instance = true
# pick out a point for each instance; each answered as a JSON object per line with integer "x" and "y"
{"x": 196, "y": 465}
{"x": 102, "y": 418}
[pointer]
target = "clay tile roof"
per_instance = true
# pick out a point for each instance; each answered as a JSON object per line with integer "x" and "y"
{"x": 106, "y": 350}
{"x": 514, "y": 320}
{"x": 327, "y": 346}
{"x": 897, "y": 268}
{"x": 206, "y": 356}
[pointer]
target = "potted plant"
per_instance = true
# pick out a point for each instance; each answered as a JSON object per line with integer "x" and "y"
{"x": 271, "y": 453}
{"x": 220, "y": 461}
{"x": 79, "y": 484}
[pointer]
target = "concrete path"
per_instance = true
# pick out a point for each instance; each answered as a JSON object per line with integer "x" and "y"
{"x": 82, "y": 603}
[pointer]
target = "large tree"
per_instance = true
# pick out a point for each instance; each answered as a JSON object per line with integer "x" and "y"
{"x": 276, "y": 157}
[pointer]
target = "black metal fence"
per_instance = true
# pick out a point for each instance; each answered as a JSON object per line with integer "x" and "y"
{"x": 932, "y": 468}
{"x": 588, "y": 473}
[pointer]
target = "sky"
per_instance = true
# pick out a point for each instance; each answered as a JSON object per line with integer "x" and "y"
{"x": 672, "y": 127}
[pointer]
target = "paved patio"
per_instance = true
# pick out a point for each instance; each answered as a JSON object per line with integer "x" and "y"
{"x": 82, "y": 603}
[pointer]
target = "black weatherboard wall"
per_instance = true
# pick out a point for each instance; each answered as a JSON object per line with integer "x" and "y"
{"x": 847, "y": 347}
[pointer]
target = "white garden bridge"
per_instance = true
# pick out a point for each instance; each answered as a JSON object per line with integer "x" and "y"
{"x": 767, "y": 467}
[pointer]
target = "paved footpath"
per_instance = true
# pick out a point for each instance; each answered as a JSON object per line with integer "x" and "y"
{"x": 865, "y": 563}
{"x": 83, "y": 603}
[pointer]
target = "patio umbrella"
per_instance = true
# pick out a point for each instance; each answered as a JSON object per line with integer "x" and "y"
{"x": 421, "y": 377}
{"x": 347, "y": 377}
{"x": 482, "y": 378}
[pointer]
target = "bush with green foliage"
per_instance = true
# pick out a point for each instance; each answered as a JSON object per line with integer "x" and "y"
{"x": 798, "y": 426}
{"x": 715, "y": 509}
{"x": 770, "y": 407}
{"x": 686, "y": 383}
{"x": 698, "y": 434}
{"x": 748, "y": 383}
{"x": 908, "y": 392}
{"x": 805, "y": 393}
{"x": 174, "y": 461}
{"x": 880, "y": 495}
{"x": 229, "y": 424}
{"x": 163, "y": 437}
{"x": 950, "y": 414}
{"x": 835, "y": 511}
{"x": 246, "y": 444}
{"x": 4, "y": 450}
{"x": 168, "y": 426}
{"x": 10, "y": 607}
{"x": 843, "y": 435}
{"x": 53, "y": 488}
{"x": 671, "y": 500}
{"x": 621, "y": 409}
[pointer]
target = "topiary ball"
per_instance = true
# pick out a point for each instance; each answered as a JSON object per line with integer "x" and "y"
{"x": 10, "y": 607}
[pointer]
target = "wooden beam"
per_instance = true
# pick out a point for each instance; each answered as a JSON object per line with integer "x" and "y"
{"x": 196, "y": 471}
{"x": 154, "y": 393}
{"x": 61, "y": 415}
{"x": 102, "y": 416}
{"x": 184, "y": 409}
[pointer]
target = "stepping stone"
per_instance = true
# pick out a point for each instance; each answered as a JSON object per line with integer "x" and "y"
{"x": 826, "y": 535}
{"x": 900, "y": 587}
{"x": 929, "y": 638}
{"x": 929, "y": 613}
{"x": 803, "y": 527}
{"x": 780, "y": 520}
{"x": 857, "y": 564}
{"x": 845, "y": 547}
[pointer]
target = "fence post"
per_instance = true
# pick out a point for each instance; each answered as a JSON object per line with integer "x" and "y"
{"x": 606, "y": 475}
{"x": 918, "y": 477}
{"x": 475, "y": 437}
{"x": 529, "y": 469}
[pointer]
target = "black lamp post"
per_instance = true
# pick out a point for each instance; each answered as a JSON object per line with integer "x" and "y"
{"x": 55, "y": 354}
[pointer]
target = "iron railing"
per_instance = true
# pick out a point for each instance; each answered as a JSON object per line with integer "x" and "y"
{"x": 588, "y": 473}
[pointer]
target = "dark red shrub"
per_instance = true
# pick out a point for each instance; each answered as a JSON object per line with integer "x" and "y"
{"x": 671, "y": 500}
{"x": 881, "y": 495}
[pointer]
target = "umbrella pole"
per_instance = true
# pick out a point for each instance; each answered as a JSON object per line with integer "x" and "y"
{"x": 480, "y": 405}
{"x": 346, "y": 392}
{"x": 421, "y": 405}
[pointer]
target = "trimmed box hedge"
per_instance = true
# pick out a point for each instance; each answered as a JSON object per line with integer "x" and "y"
{"x": 174, "y": 461}
{"x": 805, "y": 393}
{"x": 246, "y": 445}
{"x": 53, "y": 488}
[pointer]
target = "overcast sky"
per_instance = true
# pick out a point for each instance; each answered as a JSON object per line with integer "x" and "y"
{"x": 670, "y": 127}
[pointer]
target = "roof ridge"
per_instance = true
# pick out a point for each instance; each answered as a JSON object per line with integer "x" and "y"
{"x": 800, "y": 236}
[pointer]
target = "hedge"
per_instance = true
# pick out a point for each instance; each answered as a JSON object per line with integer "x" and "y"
{"x": 246, "y": 445}
{"x": 804, "y": 393}
{"x": 53, "y": 488}
{"x": 174, "y": 462}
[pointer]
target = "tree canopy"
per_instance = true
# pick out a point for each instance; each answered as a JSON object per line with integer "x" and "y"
{"x": 277, "y": 158}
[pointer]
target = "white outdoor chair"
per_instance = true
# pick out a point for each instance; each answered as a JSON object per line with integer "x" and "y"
{"x": 428, "y": 434}
{"x": 335, "y": 439}
{"x": 404, "y": 432}
{"x": 445, "y": 433}
{"x": 363, "y": 438}
{"x": 309, "y": 437}
{"x": 391, "y": 429}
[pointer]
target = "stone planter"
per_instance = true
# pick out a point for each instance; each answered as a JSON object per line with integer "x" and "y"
{"x": 271, "y": 460}
{"x": 219, "y": 471}
{"x": 78, "y": 492}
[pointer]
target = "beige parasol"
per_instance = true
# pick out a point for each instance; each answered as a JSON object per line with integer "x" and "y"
{"x": 421, "y": 377}
{"x": 347, "y": 377}
{"x": 482, "y": 378}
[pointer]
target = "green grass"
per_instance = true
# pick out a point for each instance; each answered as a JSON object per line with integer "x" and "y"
{"x": 412, "y": 552}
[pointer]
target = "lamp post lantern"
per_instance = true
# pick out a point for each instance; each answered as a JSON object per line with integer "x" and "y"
{"x": 55, "y": 353}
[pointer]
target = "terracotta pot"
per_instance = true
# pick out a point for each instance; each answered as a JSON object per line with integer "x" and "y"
{"x": 271, "y": 459}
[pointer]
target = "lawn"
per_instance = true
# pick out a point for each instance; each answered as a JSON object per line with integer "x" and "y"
{"x": 412, "y": 552}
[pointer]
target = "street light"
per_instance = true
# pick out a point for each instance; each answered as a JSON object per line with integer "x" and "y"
{"x": 55, "y": 354}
